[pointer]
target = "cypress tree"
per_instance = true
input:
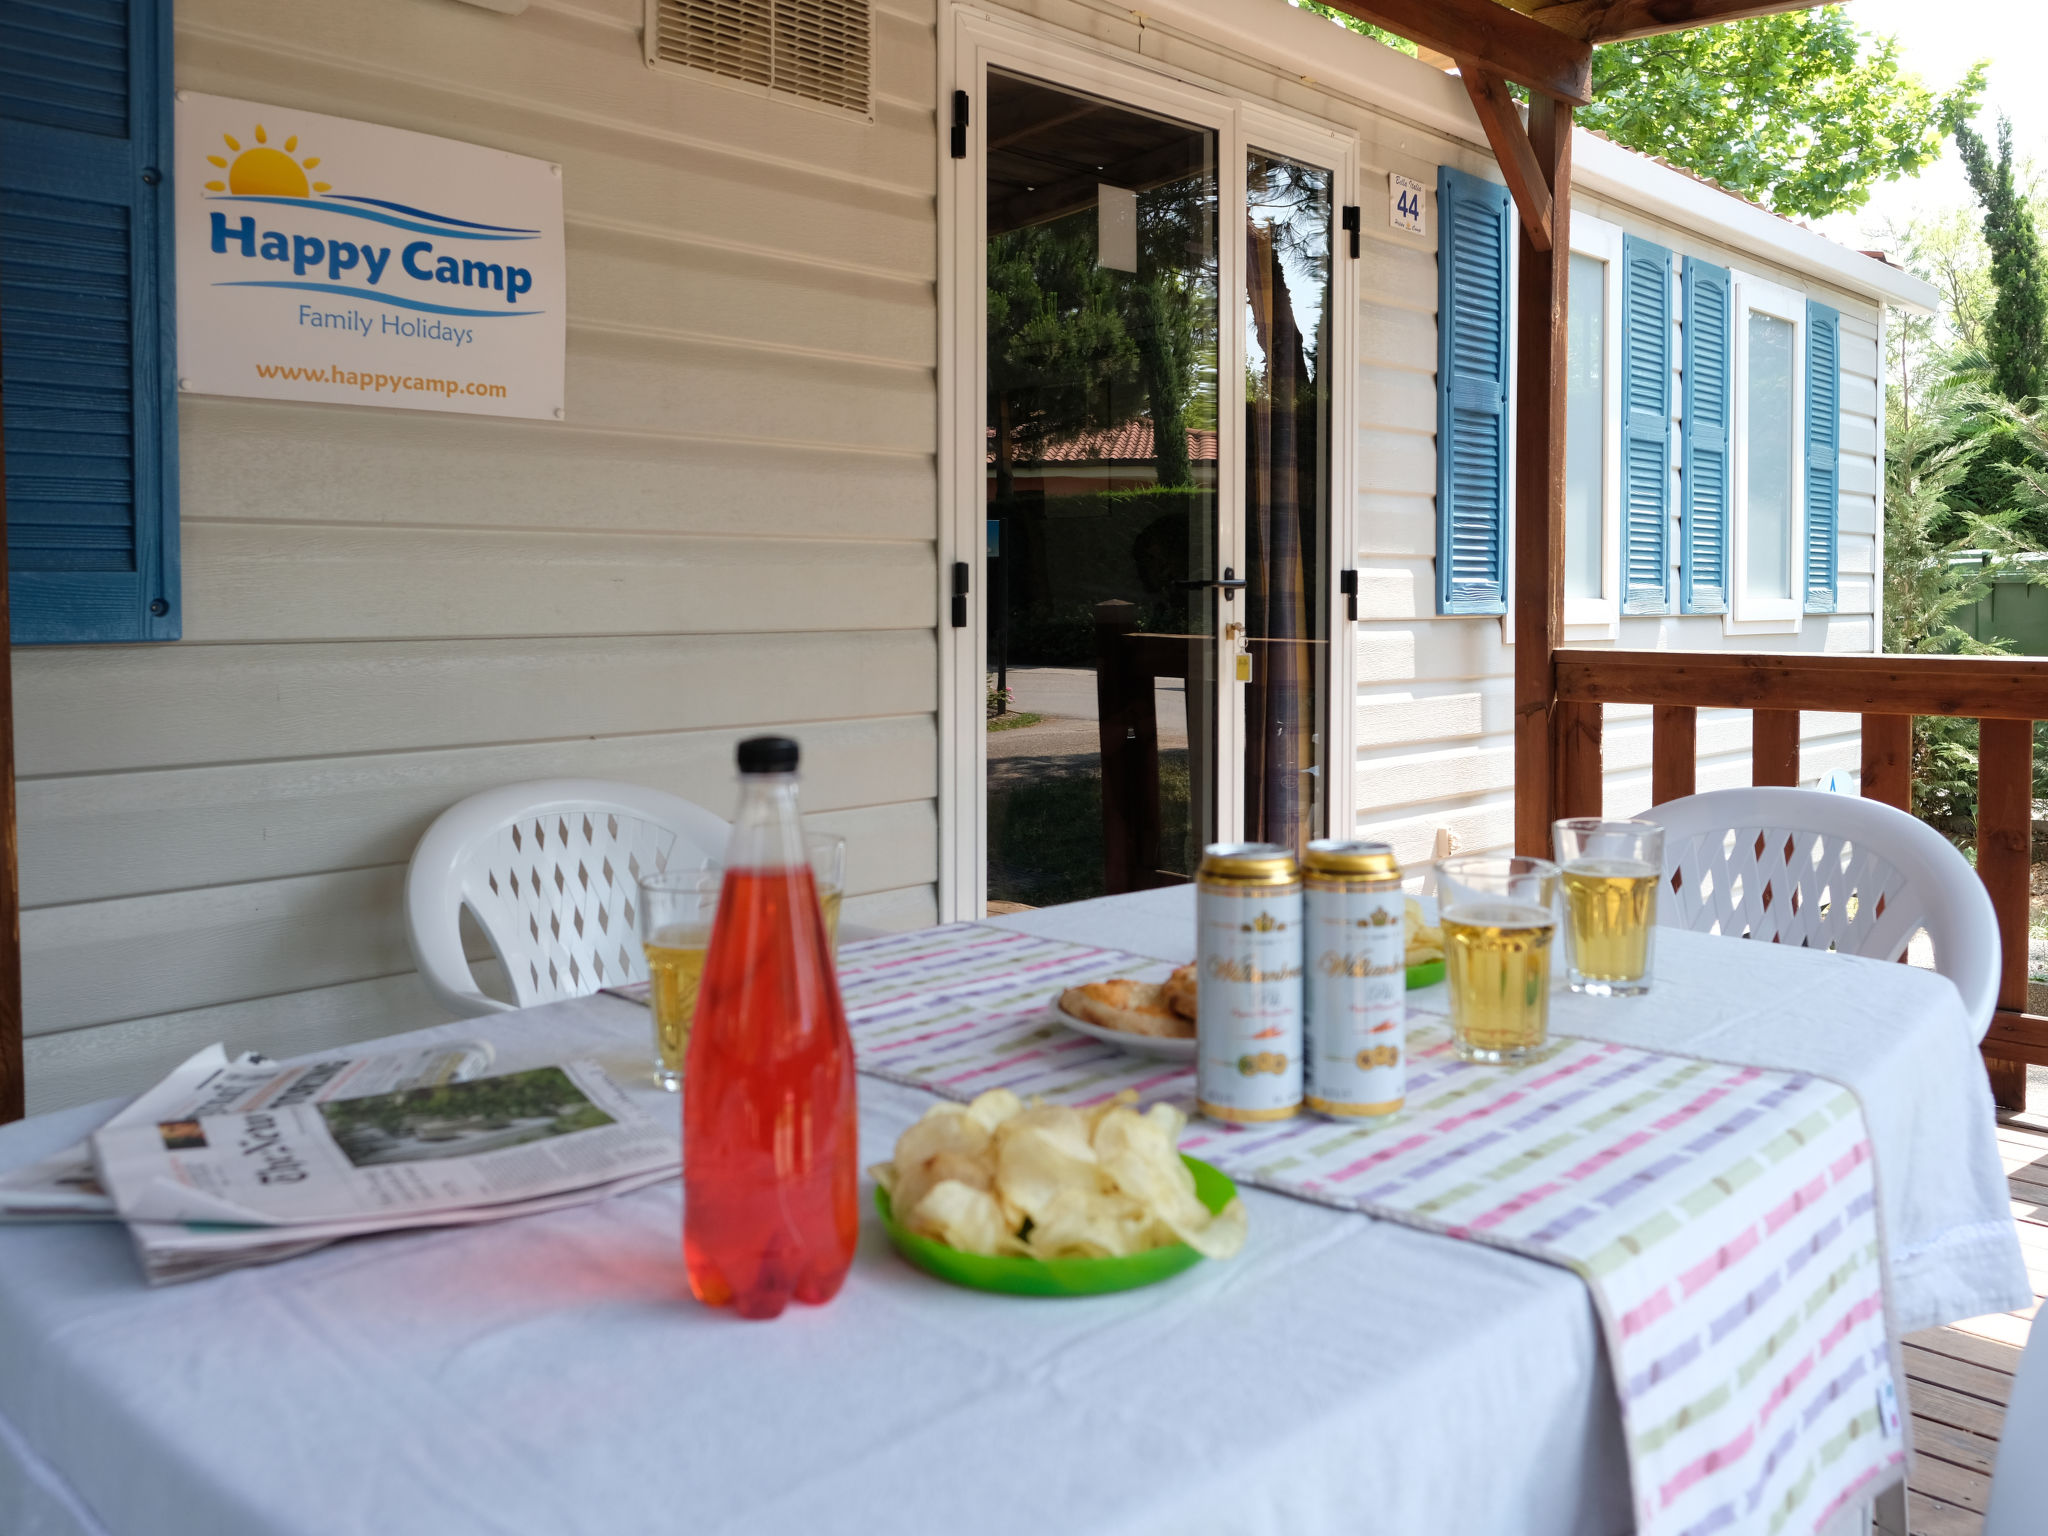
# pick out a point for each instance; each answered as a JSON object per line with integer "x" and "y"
{"x": 2016, "y": 339}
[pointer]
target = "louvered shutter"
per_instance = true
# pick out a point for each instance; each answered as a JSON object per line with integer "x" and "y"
{"x": 1473, "y": 223}
{"x": 87, "y": 361}
{"x": 1645, "y": 426}
{"x": 1823, "y": 455}
{"x": 1706, "y": 363}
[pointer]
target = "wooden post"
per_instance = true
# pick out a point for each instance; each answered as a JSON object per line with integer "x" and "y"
{"x": 1774, "y": 747}
{"x": 1543, "y": 292}
{"x": 13, "y": 1094}
{"x": 1128, "y": 728}
{"x": 1674, "y": 752}
{"x": 1888, "y": 759}
{"x": 1581, "y": 783}
{"x": 2005, "y": 825}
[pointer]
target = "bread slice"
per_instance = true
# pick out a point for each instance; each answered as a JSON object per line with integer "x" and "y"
{"x": 1131, "y": 1007}
{"x": 1179, "y": 990}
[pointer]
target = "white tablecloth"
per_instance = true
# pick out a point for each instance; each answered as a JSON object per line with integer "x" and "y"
{"x": 550, "y": 1377}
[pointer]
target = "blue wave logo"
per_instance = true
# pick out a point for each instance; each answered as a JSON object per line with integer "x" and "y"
{"x": 397, "y": 215}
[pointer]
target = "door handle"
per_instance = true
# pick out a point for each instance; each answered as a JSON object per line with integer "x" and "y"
{"x": 1228, "y": 584}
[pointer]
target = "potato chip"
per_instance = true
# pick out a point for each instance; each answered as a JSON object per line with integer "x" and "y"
{"x": 967, "y": 1218}
{"x": 1052, "y": 1182}
{"x": 1424, "y": 943}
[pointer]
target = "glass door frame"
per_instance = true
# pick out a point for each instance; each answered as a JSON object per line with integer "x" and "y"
{"x": 971, "y": 43}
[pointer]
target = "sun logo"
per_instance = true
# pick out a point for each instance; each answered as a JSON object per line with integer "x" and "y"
{"x": 263, "y": 170}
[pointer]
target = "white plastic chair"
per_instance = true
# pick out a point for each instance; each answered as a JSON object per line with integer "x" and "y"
{"x": 549, "y": 870}
{"x": 2019, "y": 1482}
{"x": 1796, "y": 866}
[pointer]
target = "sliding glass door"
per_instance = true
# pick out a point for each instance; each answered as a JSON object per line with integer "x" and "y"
{"x": 1158, "y": 369}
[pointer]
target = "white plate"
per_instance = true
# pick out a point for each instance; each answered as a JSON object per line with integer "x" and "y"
{"x": 1157, "y": 1046}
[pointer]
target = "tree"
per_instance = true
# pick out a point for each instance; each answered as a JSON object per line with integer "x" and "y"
{"x": 1800, "y": 112}
{"x": 2016, "y": 338}
{"x": 1058, "y": 344}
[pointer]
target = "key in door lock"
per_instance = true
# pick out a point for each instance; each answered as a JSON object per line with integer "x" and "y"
{"x": 1241, "y": 658}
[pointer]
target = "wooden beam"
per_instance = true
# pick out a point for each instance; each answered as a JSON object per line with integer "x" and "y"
{"x": 2005, "y": 829}
{"x": 1545, "y": 60}
{"x": 2017, "y": 1037}
{"x": 1888, "y": 759}
{"x": 1984, "y": 687}
{"x": 1543, "y": 291}
{"x": 13, "y": 1092}
{"x": 1674, "y": 752}
{"x": 1610, "y": 21}
{"x": 1502, "y": 120}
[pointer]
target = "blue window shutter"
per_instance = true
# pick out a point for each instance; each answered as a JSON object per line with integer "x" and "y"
{"x": 87, "y": 302}
{"x": 1823, "y": 455}
{"x": 1474, "y": 222}
{"x": 1707, "y": 363}
{"x": 1645, "y": 426}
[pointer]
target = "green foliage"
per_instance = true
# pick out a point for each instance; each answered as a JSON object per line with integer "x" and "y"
{"x": 2016, "y": 337}
{"x": 1801, "y": 112}
{"x": 1362, "y": 28}
{"x": 1059, "y": 347}
{"x": 1045, "y": 832}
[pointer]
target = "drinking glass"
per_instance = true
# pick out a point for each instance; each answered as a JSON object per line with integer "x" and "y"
{"x": 828, "y": 869}
{"x": 1499, "y": 913}
{"x": 676, "y": 908}
{"x": 1611, "y": 870}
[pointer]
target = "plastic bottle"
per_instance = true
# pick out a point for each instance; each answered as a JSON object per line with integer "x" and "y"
{"x": 770, "y": 1129}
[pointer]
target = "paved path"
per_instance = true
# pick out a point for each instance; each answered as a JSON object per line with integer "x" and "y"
{"x": 1067, "y": 740}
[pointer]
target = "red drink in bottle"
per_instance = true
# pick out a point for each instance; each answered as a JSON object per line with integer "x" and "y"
{"x": 770, "y": 1131}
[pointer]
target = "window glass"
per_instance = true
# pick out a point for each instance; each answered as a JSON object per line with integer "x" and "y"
{"x": 1585, "y": 431}
{"x": 1769, "y": 565}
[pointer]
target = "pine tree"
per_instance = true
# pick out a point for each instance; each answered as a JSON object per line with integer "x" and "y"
{"x": 2016, "y": 339}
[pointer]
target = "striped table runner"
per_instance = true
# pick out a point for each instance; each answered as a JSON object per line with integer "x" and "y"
{"x": 1724, "y": 1217}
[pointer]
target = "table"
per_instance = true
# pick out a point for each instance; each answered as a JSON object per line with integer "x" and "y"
{"x": 548, "y": 1376}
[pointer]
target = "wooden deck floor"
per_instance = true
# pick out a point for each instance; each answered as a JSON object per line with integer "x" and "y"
{"x": 1959, "y": 1377}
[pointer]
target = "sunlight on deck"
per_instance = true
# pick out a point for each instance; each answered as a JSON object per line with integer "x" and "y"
{"x": 1959, "y": 1377}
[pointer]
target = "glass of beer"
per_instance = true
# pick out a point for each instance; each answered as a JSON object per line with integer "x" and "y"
{"x": 1611, "y": 870}
{"x": 1499, "y": 913}
{"x": 676, "y": 908}
{"x": 828, "y": 868}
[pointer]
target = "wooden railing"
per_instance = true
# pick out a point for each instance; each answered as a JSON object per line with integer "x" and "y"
{"x": 2005, "y": 696}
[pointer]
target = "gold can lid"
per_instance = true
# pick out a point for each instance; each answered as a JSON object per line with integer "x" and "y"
{"x": 1265, "y": 863}
{"x": 1337, "y": 856}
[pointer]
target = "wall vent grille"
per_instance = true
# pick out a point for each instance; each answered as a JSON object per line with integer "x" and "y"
{"x": 815, "y": 51}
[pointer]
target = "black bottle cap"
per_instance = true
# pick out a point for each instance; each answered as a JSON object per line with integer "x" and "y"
{"x": 767, "y": 754}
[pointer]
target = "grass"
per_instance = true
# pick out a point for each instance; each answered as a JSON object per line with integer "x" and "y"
{"x": 1045, "y": 837}
{"x": 1013, "y": 722}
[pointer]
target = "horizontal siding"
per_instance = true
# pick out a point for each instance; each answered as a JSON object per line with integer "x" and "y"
{"x": 389, "y": 610}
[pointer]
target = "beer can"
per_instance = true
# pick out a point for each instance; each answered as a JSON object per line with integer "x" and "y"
{"x": 1248, "y": 954}
{"x": 1355, "y": 991}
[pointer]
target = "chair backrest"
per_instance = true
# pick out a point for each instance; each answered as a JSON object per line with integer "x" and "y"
{"x": 549, "y": 870}
{"x": 1795, "y": 866}
{"x": 2019, "y": 1485}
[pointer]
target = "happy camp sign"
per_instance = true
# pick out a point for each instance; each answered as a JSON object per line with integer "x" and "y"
{"x": 324, "y": 259}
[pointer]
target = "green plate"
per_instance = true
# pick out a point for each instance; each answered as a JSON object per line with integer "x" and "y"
{"x": 1427, "y": 974}
{"x": 1016, "y": 1276}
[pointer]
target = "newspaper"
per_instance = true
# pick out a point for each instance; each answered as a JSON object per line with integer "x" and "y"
{"x": 230, "y": 1163}
{"x": 66, "y": 1187}
{"x": 222, "y": 1181}
{"x": 416, "y": 1151}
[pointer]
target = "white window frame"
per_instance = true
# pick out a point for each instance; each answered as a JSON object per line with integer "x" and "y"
{"x": 970, "y": 41}
{"x": 1599, "y": 618}
{"x": 1748, "y": 614}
